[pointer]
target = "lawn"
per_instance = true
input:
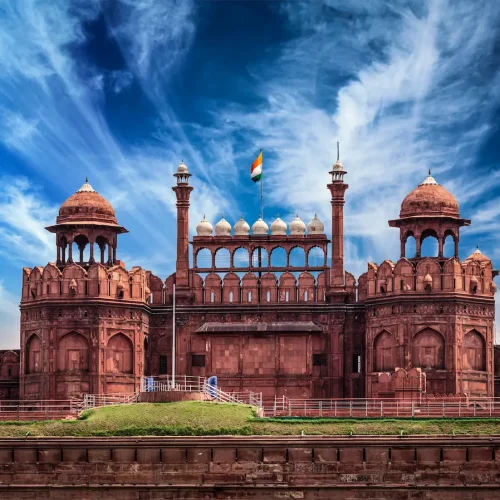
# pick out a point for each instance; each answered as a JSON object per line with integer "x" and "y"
{"x": 206, "y": 418}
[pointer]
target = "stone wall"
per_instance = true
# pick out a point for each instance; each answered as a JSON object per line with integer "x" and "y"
{"x": 243, "y": 467}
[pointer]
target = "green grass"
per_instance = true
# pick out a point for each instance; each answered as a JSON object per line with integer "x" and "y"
{"x": 192, "y": 418}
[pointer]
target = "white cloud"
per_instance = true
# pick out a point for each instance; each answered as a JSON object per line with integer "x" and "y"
{"x": 402, "y": 105}
{"x": 23, "y": 216}
{"x": 9, "y": 326}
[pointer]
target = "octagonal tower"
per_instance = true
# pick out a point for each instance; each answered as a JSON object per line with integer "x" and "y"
{"x": 433, "y": 313}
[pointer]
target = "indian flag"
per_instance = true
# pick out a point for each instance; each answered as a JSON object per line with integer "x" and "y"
{"x": 256, "y": 168}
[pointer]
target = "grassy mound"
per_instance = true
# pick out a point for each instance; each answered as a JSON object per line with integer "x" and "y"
{"x": 193, "y": 418}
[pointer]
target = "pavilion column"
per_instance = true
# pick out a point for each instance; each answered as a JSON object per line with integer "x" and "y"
{"x": 70, "y": 251}
{"x": 91, "y": 259}
{"x": 403, "y": 249}
{"x": 110, "y": 254}
{"x": 440, "y": 246}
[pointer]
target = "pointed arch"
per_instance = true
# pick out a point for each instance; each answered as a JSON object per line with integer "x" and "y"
{"x": 120, "y": 354}
{"x": 474, "y": 351}
{"x": 428, "y": 350}
{"x": 73, "y": 353}
{"x": 33, "y": 357}
{"x": 384, "y": 352}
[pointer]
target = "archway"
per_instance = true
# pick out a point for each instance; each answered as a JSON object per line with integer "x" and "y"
{"x": 297, "y": 257}
{"x": 73, "y": 353}
{"x": 241, "y": 258}
{"x": 429, "y": 244}
{"x": 428, "y": 350}
{"x": 384, "y": 353}
{"x": 203, "y": 258}
{"x": 119, "y": 356}
{"x": 260, "y": 257}
{"x": 82, "y": 243}
{"x": 278, "y": 257}
{"x": 449, "y": 245}
{"x": 410, "y": 246}
{"x": 33, "y": 355}
{"x": 222, "y": 258}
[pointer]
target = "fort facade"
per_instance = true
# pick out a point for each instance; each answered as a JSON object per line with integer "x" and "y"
{"x": 268, "y": 309}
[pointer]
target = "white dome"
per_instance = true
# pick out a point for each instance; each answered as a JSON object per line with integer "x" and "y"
{"x": 297, "y": 227}
{"x": 182, "y": 168}
{"x": 204, "y": 228}
{"x": 241, "y": 228}
{"x": 222, "y": 228}
{"x": 260, "y": 227}
{"x": 315, "y": 226}
{"x": 278, "y": 227}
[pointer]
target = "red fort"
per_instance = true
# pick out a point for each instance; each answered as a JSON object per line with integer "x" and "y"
{"x": 260, "y": 307}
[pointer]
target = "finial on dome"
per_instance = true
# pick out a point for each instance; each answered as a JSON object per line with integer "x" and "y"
{"x": 338, "y": 151}
{"x": 86, "y": 188}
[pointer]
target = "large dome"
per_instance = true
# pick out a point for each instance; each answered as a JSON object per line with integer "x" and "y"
{"x": 87, "y": 205}
{"x": 429, "y": 198}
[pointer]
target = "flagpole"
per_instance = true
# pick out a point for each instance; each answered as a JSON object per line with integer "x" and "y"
{"x": 262, "y": 189}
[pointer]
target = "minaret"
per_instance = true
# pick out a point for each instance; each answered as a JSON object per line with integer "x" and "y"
{"x": 182, "y": 191}
{"x": 337, "y": 188}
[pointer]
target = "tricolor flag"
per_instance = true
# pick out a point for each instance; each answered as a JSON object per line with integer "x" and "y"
{"x": 256, "y": 168}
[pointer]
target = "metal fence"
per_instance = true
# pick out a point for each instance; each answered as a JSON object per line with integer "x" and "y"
{"x": 382, "y": 408}
{"x": 39, "y": 409}
{"x": 164, "y": 383}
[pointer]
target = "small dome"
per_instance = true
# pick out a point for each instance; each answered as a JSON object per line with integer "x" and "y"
{"x": 278, "y": 227}
{"x": 297, "y": 227}
{"x": 338, "y": 167}
{"x": 315, "y": 226}
{"x": 260, "y": 227}
{"x": 204, "y": 228}
{"x": 241, "y": 228}
{"x": 182, "y": 168}
{"x": 87, "y": 205}
{"x": 429, "y": 198}
{"x": 478, "y": 256}
{"x": 223, "y": 228}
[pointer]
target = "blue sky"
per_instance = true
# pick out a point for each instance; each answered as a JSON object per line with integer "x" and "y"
{"x": 121, "y": 90}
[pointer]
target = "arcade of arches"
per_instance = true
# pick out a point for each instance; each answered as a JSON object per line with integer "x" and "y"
{"x": 266, "y": 306}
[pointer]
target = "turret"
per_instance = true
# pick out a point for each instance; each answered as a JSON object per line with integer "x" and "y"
{"x": 183, "y": 192}
{"x": 337, "y": 189}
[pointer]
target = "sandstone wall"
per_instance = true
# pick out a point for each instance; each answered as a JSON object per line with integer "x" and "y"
{"x": 257, "y": 467}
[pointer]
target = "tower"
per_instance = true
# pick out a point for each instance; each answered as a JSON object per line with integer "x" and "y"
{"x": 337, "y": 189}
{"x": 182, "y": 192}
{"x": 431, "y": 313}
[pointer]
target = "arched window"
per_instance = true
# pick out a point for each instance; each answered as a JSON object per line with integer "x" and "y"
{"x": 428, "y": 350}
{"x": 230, "y": 296}
{"x": 241, "y": 258}
{"x": 222, "y": 258}
{"x": 34, "y": 355}
{"x": 263, "y": 259}
{"x": 384, "y": 352}
{"x": 449, "y": 246}
{"x": 268, "y": 296}
{"x": 297, "y": 257}
{"x": 73, "y": 353}
{"x": 429, "y": 244}
{"x": 474, "y": 351}
{"x": 410, "y": 246}
{"x": 278, "y": 257}
{"x": 203, "y": 258}
{"x": 315, "y": 257}
{"x": 119, "y": 354}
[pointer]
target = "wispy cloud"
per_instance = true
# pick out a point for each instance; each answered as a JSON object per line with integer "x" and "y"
{"x": 23, "y": 215}
{"x": 388, "y": 81}
{"x": 9, "y": 326}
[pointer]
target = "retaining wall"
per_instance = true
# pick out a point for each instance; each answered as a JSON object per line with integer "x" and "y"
{"x": 250, "y": 467}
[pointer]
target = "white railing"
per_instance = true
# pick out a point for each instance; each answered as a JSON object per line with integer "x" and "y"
{"x": 99, "y": 400}
{"x": 38, "y": 409}
{"x": 188, "y": 383}
{"x": 377, "y": 408}
{"x": 163, "y": 383}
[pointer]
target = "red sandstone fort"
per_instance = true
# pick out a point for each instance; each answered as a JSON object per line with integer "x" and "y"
{"x": 259, "y": 307}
